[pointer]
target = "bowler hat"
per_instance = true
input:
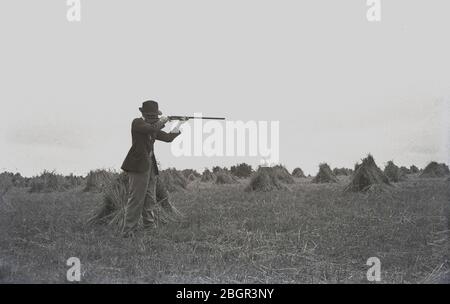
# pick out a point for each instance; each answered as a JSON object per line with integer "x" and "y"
{"x": 150, "y": 107}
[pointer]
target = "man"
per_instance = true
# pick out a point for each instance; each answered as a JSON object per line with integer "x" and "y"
{"x": 140, "y": 164}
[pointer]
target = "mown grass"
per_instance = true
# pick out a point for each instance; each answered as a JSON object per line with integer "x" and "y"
{"x": 314, "y": 233}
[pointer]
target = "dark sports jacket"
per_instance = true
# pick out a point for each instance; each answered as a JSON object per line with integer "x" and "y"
{"x": 141, "y": 154}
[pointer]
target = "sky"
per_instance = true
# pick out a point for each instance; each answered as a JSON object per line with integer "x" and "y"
{"x": 339, "y": 86}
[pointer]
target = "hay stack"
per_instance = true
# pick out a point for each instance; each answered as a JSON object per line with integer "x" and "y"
{"x": 405, "y": 171}
{"x": 242, "y": 170}
{"x": 393, "y": 173}
{"x": 16, "y": 179}
{"x": 173, "y": 180}
{"x": 19, "y": 180}
{"x": 73, "y": 180}
{"x": 225, "y": 177}
{"x": 413, "y": 169}
{"x": 342, "y": 171}
{"x": 366, "y": 176}
{"x": 207, "y": 176}
{"x": 325, "y": 175}
{"x": 6, "y": 183}
{"x": 434, "y": 169}
{"x": 115, "y": 197}
{"x": 283, "y": 174}
{"x": 96, "y": 179}
{"x": 168, "y": 212}
{"x": 266, "y": 179}
{"x": 189, "y": 172}
{"x": 298, "y": 172}
{"x": 191, "y": 177}
{"x": 48, "y": 182}
{"x": 216, "y": 169}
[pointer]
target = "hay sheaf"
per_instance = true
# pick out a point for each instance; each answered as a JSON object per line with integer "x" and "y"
{"x": 266, "y": 179}
{"x": 342, "y": 171}
{"x": 6, "y": 183}
{"x": 95, "y": 180}
{"x": 325, "y": 175}
{"x": 191, "y": 177}
{"x": 405, "y": 171}
{"x": 225, "y": 177}
{"x": 367, "y": 176}
{"x": 434, "y": 169}
{"x": 298, "y": 172}
{"x": 16, "y": 178}
{"x": 393, "y": 173}
{"x": 74, "y": 180}
{"x": 283, "y": 174}
{"x": 207, "y": 176}
{"x": 413, "y": 169}
{"x": 115, "y": 197}
{"x": 190, "y": 172}
{"x": 173, "y": 180}
{"x": 48, "y": 182}
{"x": 242, "y": 170}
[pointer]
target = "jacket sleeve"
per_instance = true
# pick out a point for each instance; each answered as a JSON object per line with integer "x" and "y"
{"x": 141, "y": 126}
{"x": 167, "y": 137}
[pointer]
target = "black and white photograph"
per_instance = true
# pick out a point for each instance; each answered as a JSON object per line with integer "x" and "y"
{"x": 224, "y": 143}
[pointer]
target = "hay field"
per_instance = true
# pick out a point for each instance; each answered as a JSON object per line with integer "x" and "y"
{"x": 312, "y": 233}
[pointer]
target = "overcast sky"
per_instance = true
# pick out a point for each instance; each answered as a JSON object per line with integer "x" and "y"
{"x": 340, "y": 87}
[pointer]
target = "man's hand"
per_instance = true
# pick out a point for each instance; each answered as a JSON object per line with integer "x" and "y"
{"x": 163, "y": 119}
{"x": 176, "y": 128}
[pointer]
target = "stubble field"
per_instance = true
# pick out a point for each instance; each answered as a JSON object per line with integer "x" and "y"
{"x": 313, "y": 233}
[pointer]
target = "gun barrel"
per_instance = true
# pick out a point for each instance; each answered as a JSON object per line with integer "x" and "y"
{"x": 194, "y": 117}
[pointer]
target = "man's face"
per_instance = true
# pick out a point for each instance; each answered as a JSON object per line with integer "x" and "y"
{"x": 151, "y": 118}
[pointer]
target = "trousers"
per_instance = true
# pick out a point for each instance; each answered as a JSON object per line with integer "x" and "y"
{"x": 141, "y": 200}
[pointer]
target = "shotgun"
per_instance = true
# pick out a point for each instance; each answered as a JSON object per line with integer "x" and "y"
{"x": 193, "y": 117}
